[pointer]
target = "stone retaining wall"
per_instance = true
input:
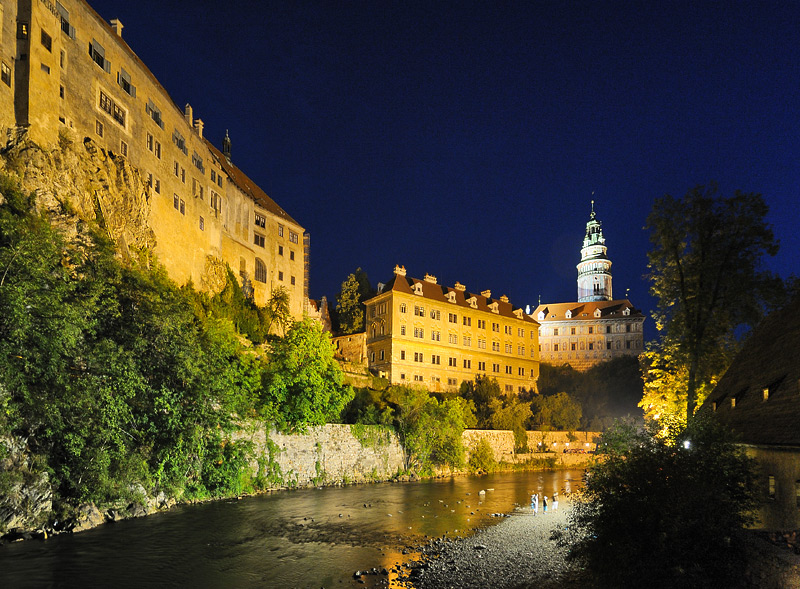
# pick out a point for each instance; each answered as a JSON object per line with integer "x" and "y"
{"x": 330, "y": 454}
{"x": 549, "y": 444}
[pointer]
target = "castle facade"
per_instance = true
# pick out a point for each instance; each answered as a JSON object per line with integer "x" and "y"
{"x": 596, "y": 327}
{"x": 422, "y": 333}
{"x": 66, "y": 73}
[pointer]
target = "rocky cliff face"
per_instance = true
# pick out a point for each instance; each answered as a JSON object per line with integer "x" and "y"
{"x": 78, "y": 177}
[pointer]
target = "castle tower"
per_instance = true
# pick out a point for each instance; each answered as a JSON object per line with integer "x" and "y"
{"x": 594, "y": 269}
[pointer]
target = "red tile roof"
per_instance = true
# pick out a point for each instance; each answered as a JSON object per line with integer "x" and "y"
{"x": 438, "y": 292}
{"x": 608, "y": 309}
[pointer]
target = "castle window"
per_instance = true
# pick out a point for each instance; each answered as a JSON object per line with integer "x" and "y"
{"x": 198, "y": 162}
{"x": 123, "y": 148}
{"x": 495, "y": 368}
{"x": 280, "y": 276}
{"x": 495, "y": 346}
{"x": 291, "y": 255}
{"x": 98, "y": 55}
{"x": 155, "y": 113}
{"x": 46, "y": 68}
{"x": 280, "y": 230}
{"x": 258, "y": 239}
{"x": 467, "y": 321}
{"x": 467, "y": 341}
{"x": 157, "y": 150}
{"x": 179, "y": 142}
{"x": 280, "y": 250}
{"x": 124, "y": 80}
{"x": 436, "y": 314}
{"x": 261, "y": 221}
{"x": 402, "y": 330}
{"x": 521, "y": 371}
{"x": 5, "y": 74}
{"x": 381, "y": 356}
{"x": 111, "y": 107}
{"x": 452, "y": 362}
{"x": 149, "y": 142}
{"x": 158, "y": 186}
{"x": 402, "y": 354}
{"x": 572, "y": 331}
{"x": 65, "y": 26}
{"x": 591, "y": 329}
{"x": 292, "y": 236}
{"x": 22, "y": 30}
{"x": 508, "y": 369}
{"x": 608, "y": 329}
{"x": 402, "y": 307}
{"x": 47, "y": 41}
{"x": 292, "y": 281}
{"x": 452, "y": 318}
{"x": 98, "y": 128}
{"x": 608, "y": 345}
{"x": 202, "y": 224}
{"x": 555, "y": 331}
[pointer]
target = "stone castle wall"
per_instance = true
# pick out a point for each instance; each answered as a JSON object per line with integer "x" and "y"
{"x": 543, "y": 444}
{"x": 329, "y": 454}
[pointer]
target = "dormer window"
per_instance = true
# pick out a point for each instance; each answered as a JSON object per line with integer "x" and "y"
{"x": 451, "y": 297}
{"x": 568, "y": 314}
{"x": 540, "y": 316}
{"x": 518, "y": 313}
{"x": 493, "y": 307}
{"x": 597, "y": 312}
{"x": 473, "y": 302}
{"x": 418, "y": 288}
{"x": 626, "y": 311}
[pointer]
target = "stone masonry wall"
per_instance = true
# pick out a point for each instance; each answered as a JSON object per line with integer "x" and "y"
{"x": 329, "y": 454}
{"x": 549, "y": 444}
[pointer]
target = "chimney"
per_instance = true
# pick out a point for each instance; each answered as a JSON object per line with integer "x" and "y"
{"x": 117, "y": 26}
{"x": 430, "y": 278}
{"x": 188, "y": 115}
{"x": 400, "y": 270}
{"x": 504, "y": 298}
{"x": 226, "y": 146}
{"x": 198, "y": 124}
{"x": 486, "y": 293}
{"x": 460, "y": 287}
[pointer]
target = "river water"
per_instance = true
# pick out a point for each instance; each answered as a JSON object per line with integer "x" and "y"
{"x": 304, "y": 538}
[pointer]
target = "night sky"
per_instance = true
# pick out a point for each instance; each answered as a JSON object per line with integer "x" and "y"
{"x": 468, "y": 139}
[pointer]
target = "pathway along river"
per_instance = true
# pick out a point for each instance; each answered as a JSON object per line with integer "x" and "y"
{"x": 305, "y": 538}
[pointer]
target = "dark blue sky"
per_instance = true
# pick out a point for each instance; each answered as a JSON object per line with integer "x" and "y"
{"x": 466, "y": 139}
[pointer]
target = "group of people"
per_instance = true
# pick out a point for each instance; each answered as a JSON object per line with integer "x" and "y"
{"x": 535, "y": 503}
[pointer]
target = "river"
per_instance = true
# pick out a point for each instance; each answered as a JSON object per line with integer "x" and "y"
{"x": 304, "y": 538}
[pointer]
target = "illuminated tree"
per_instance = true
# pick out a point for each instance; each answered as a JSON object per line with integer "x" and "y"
{"x": 705, "y": 268}
{"x": 350, "y": 302}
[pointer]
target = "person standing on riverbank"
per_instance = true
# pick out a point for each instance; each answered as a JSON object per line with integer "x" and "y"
{"x": 535, "y": 503}
{"x": 544, "y": 504}
{"x": 555, "y": 501}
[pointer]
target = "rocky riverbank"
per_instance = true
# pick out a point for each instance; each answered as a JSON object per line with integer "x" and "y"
{"x": 517, "y": 553}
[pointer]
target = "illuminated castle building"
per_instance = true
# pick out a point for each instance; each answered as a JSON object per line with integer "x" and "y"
{"x": 597, "y": 327}
{"x": 422, "y": 333}
{"x": 67, "y": 76}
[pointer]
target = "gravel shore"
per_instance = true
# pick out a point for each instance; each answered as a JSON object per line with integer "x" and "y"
{"x": 516, "y": 553}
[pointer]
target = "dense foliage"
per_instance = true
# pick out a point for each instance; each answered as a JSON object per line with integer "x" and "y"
{"x": 429, "y": 428}
{"x": 604, "y": 392}
{"x": 664, "y": 511}
{"x": 349, "y": 313}
{"x": 121, "y": 381}
{"x": 706, "y": 269}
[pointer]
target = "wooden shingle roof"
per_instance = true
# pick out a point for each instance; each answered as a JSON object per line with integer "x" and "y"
{"x": 764, "y": 382}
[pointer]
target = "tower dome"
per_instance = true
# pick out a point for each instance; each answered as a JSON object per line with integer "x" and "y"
{"x": 594, "y": 269}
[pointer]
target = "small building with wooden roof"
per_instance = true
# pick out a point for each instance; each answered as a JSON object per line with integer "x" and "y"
{"x": 759, "y": 398}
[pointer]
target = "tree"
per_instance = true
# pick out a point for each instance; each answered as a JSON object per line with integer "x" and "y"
{"x": 705, "y": 268}
{"x": 303, "y": 382}
{"x": 350, "y": 302}
{"x": 511, "y": 413}
{"x": 665, "y": 512}
{"x": 558, "y": 411}
{"x": 481, "y": 392}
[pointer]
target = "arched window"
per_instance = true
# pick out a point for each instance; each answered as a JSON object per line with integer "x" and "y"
{"x": 261, "y": 271}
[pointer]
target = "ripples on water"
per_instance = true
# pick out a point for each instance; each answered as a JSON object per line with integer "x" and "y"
{"x": 304, "y": 538}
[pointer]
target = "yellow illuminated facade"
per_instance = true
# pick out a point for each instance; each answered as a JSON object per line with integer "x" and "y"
{"x": 67, "y": 75}
{"x": 423, "y": 333}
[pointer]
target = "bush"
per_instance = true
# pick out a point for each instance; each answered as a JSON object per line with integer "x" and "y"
{"x": 661, "y": 513}
{"x": 481, "y": 458}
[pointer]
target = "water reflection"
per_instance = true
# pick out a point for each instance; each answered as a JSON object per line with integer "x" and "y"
{"x": 305, "y": 538}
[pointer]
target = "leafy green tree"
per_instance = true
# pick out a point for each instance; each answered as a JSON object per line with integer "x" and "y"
{"x": 557, "y": 411}
{"x": 706, "y": 270}
{"x": 665, "y": 512}
{"x": 350, "y": 302}
{"x": 482, "y": 392}
{"x": 510, "y": 413}
{"x": 303, "y": 384}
